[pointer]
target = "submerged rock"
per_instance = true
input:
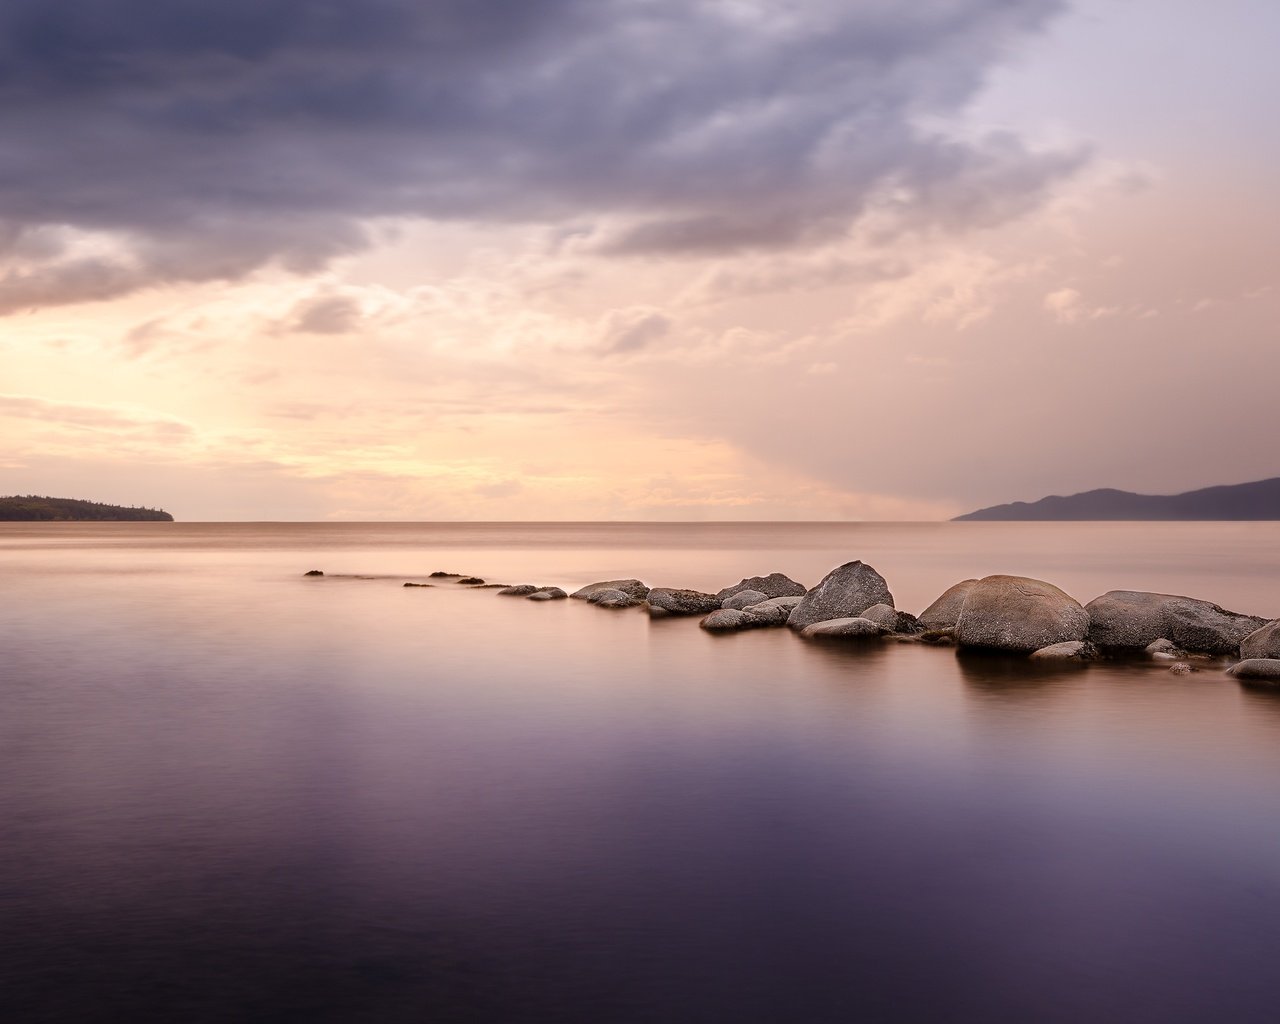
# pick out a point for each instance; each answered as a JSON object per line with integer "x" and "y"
{"x": 634, "y": 589}
{"x": 773, "y": 612}
{"x": 1262, "y": 669}
{"x": 1019, "y": 615}
{"x": 444, "y": 575}
{"x": 519, "y": 590}
{"x": 725, "y": 620}
{"x": 417, "y": 584}
{"x": 1181, "y": 669}
{"x": 773, "y": 585}
{"x": 851, "y": 627}
{"x": 664, "y": 601}
{"x": 944, "y": 613}
{"x": 470, "y": 581}
{"x": 1262, "y": 643}
{"x": 547, "y": 594}
{"x": 313, "y": 572}
{"x": 845, "y": 592}
{"x": 743, "y": 599}
{"x": 1132, "y": 619}
{"x": 1072, "y": 650}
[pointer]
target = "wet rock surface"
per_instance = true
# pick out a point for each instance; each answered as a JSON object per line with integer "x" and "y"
{"x": 1019, "y": 615}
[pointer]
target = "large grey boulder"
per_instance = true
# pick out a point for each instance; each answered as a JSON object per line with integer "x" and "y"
{"x": 773, "y": 612}
{"x": 724, "y": 621}
{"x": 944, "y": 613}
{"x": 1072, "y": 650}
{"x": 883, "y": 615}
{"x": 611, "y": 599}
{"x": 743, "y": 599}
{"x": 845, "y": 592}
{"x": 519, "y": 590}
{"x": 1019, "y": 615}
{"x": 773, "y": 585}
{"x": 547, "y": 594}
{"x": 1132, "y": 619}
{"x": 1262, "y": 643}
{"x": 849, "y": 628}
{"x": 634, "y": 589}
{"x": 664, "y": 601}
{"x": 1262, "y": 669}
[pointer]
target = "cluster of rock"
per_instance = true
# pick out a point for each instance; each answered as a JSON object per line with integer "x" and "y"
{"x": 1008, "y": 614}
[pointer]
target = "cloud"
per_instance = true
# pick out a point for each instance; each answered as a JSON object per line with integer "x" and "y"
{"x": 326, "y": 314}
{"x": 203, "y": 139}
{"x": 630, "y": 330}
{"x": 94, "y": 417}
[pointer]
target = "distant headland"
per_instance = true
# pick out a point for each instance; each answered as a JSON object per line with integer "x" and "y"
{"x": 1259, "y": 500}
{"x": 35, "y": 508}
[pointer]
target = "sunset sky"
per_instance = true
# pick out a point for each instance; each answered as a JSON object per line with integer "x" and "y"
{"x": 635, "y": 259}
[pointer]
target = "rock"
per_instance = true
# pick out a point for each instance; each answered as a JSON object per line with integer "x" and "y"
{"x": 1162, "y": 647}
{"x": 941, "y": 637}
{"x": 417, "y": 584}
{"x": 519, "y": 590}
{"x": 1181, "y": 669}
{"x": 634, "y": 589}
{"x": 1262, "y": 643}
{"x": 313, "y": 572}
{"x": 883, "y": 615}
{"x": 773, "y": 612}
{"x": 547, "y": 594}
{"x": 470, "y": 581}
{"x": 773, "y": 585}
{"x": 1257, "y": 668}
{"x": 848, "y": 628}
{"x": 444, "y": 575}
{"x": 1019, "y": 615}
{"x": 845, "y": 592}
{"x": 664, "y": 601}
{"x": 743, "y": 599}
{"x": 908, "y": 624}
{"x": 724, "y": 620}
{"x": 944, "y": 613}
{"x": 1072, "y": 650}
{"x": 613, "y": 599}
{"x": 1130, "y": 619}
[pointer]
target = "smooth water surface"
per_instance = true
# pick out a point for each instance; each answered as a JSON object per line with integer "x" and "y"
{"x": 233, "y": 793}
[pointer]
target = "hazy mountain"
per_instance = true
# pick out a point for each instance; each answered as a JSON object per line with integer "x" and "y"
{"x": 1258, "y": 500}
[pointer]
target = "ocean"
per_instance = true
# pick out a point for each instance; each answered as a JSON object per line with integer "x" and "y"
{"x": 234, "y": 793}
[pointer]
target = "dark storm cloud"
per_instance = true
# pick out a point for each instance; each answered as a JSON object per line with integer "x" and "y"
{"x": 219, "y": 135}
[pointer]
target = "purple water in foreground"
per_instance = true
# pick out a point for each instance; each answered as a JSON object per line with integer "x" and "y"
{"x": 232, "y": 793}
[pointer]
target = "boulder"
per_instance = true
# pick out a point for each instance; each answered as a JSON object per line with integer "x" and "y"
{"x": 944, "y": 613}
{"x": 471, "y": 581}
{"x": 845, "y": 592}
{"x": 773, "y": 612}
{"x": 417, "y": 584}
{"x": 743, "y": 599}
{"x": 883, "y": 615}
{"x": 1163, "y": 648}
{"x": 664, "y": 601}
{"x": 1181, "y": 669}
{"x": 634, "y": 589}
{"x": 547, "y": 594}
{"x": 313, "y": 572}
{"x": 773, "y": 585}
{"x": 724, "y": 620}
{"x": 611, "y": 599}
{"x": 1019, "y": 615}
{"x": 1131, "y": 619}
{"x": 1265, "y": 669}
{"x": 1072, "y": 650}
{"x": 848, "y": 628}
{"x": 519, "y": 590}
{"x": 1262, "y": 643}
{"x": 443, "y": 575}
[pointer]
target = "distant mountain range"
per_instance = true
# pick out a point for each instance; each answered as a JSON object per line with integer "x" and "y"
{"x": 33, "y": 508}
{"x": 1258, "y": 500}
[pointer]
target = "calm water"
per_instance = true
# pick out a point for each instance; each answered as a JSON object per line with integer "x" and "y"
{"x": 231, "y": 793}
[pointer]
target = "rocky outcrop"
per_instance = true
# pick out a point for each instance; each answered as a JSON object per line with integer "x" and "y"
{"x": 773, "y": 612}
{"x": 547, "y": 594}
{"x": 471, "y": 581}
{"x": 849, "y": 628}
{"x": 944, "y": 613}
{"x": 438, "y": 575}
{"x": 773, "y": 585}
{"x": 634, "y": 589}
{"x": 743, "y": 599}
{"x": 664, "y": 601}
{"x": 1265, "y": 670}
{"x": 1132, "y": 619}
{"x": 845, "y": 592}
{"x": 725, "y": 620}
{"x": 313, "y": 572}
{"x": 1019, "y": 615}
{"x": 1262, "y": 643}
{"x": 519, "y": 590}
{"x": 1072, "y": 650}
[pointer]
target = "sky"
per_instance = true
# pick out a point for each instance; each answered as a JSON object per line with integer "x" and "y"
{"x": 635, "y": 259}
